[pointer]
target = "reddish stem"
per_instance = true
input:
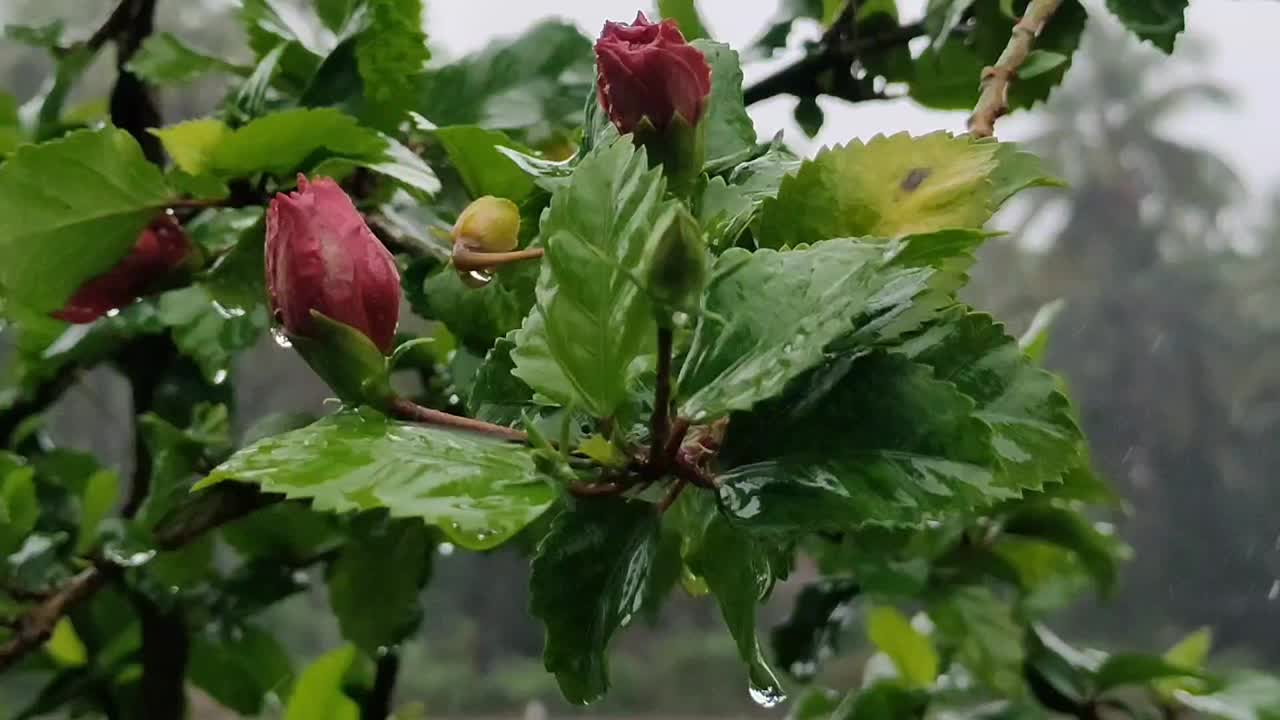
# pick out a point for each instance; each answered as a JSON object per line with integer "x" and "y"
{"x": 413, "y": 412}
{"x": 465, "y": 259}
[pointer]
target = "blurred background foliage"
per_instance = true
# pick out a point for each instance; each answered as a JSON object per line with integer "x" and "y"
{"x": 1168, "y": 337}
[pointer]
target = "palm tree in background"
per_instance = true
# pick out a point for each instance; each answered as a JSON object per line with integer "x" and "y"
{"x": 1155, "y": 339}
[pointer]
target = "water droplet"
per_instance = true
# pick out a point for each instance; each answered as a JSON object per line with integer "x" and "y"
{"x": 227, "y": 312}
{"x": 281, "y": 339}
{"x": 477, "y": 278}
{"x": 220, "y": 377}
{"x": 113, "y": 312}
{"x": 385, "y": 650}
{"x": 128, "y": 559}
{"x": 1274, "y": 592}
{"x": 766, "y": 697}
{"x": 300, "y": 577}
{"x": 454, "y": 399}
{"x": 445, "y": 549}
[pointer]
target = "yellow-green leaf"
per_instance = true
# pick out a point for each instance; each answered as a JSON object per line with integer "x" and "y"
{"x": 912, "y": 652}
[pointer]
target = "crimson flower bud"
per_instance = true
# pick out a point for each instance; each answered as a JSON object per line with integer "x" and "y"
{"x": 647, "y": 71}
{"x": 322, "y": 257}
{"x": 162, "y": 248}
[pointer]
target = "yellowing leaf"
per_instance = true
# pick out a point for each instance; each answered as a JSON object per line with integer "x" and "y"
{"x": 64, "y": 646}
{"x": 602, "y": 451}
{"x": 912, "y": 653}
{"x": 191, "y": 144}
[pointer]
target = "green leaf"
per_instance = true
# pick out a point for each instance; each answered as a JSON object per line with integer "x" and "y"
{"x": 280, "y": 142}
{"x": 497, "y": 395}
{"x": 473, "y": 151}
{"x": 19, "y": 506}
{"x": 1035, "y": 341}
{"x": 191, "y": 144}
{"x": 335, "y": 13}
{"x": 393, "y": 160}
{"x": 1135, "y": 669}
{"x": 318, "y": 693}
{"x": 375, "y": 581}
{"x": 600, "y": 234}
{"x": 64, "y": 647}
{"x": 769, "y": 316}
{"x": 70, "y": 209}
{"x": 1191, "y": 651}
{"x": 729, "y": 130}
{"x": 912, "y": 653}
{"x": 878, "y": 440}
{"x": 1157, "y": 21}
{"x": 809, "y": 116}
{"x": 164, "y": 59}
{"x": 1039, "y": 62}
{"x": 1031, "y": 420}
{"x": 1068, "y": 529}
{"x": 737, "y": 571}
{"x": 685, "y": 13}
{"x": 177, "y": 455}
{"x": 392, "y": 52}
{"x": 479, "y": 491}
{"x": 812, "y": 630}
{"x": 101, "y": 491}
{"x": 209, "y": 333}
{"x": 984, "y": 634}
{"x": 1017, "y": 170}
{"x": 533, "y": 84}
{"x": 889, "y": 186}
{"x": 588, "y": 580}
{"x": 239, "y": 666}
{"x": 250, "y": 99}
{"x": 1238, "y": 696}
{"x": 477, "y": 316}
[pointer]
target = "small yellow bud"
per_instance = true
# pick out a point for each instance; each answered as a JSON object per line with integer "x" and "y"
{"x": 488, "y": 224}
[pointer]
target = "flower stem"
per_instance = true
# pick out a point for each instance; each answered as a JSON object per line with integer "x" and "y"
{"x": 660, "y": 422}
{"x": 465, "y": 259}
{"x": 413, "y": 412}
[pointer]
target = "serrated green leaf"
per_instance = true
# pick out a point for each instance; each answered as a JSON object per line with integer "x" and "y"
{"x": 191, "y": 144}
{"x": 473, "y": 151}
{"x": 912, "y": 653}
{"x": 729, "y": 130}
{"x": 889, "y": 186}
{"x": 393, "y": 51}
{"x": 685, "y": 13}
{"x": 882, "y": 701}
{"x": 600, "y": 234}
{"x": 532, "y": 84}
{"x": 375, "y": 581}
{"x": 209, "y": 333}
{"x": 1100, "y": 554}
{"x": 738, "y": 573}
{"x": 280, "y": 142}
{"x": 177, "y": 456}
{"x": 810, "y": 633}
{"x": 769, "y": 316}
{"x": 1157, "y": 21}
{"x": 874, "y": 441}
{"x": 497, "y": 395}
{"x": 164, "y": 59}
{"x": 1034, "y": 432}
{"x": 70, "y": 209}
{"x": 1017, "y": 170}
{"x": 318, "y": 693}
{"x": 239, "y": 667}
{"x": 476, "y": 315}
{"x": 477, "y": 490}
{"x": 588, "y": 580}
{"x": 984, "y": 634}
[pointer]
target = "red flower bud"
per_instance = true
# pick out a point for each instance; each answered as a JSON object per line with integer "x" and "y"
{"x": 647, "y": 70}
{"x": 161, "y": 249}
{"x": 322, "y": 256}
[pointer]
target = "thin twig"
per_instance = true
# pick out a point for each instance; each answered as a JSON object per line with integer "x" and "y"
{"x": 994, "y": 98}
{"x": 598, "y": 489}
{"x": 377, "y": 705}
{"x": 408, "y": 410}
{"x": 672, "y": 495}
{"x": 34, "y": 628}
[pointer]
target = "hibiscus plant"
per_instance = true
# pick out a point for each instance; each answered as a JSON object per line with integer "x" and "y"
{"x": 650, "y": 350}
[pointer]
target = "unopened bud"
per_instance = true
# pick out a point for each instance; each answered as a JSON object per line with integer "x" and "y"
{"x": 679, "y": 271}
{"x": 489, "y": 224}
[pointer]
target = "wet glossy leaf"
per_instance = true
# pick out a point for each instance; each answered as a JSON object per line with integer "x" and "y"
{"x": 375, "y": 580}
{"x": 1157, "y": 21}
{"x": 738, "y": 572}
{"x": 51, "y": 243}
{"x": 391, "y": 53}
{"x": 479, "y": 491}
{"x": 729, "y": 130}
{"x": 208, "y": 333}
{"x": 1136, "y": 669}
{"x": 473, "y": 151}
{"x": 685, "y": 13}
{"x": 1034, "y": 431}
{"x": 600, "y": 234}
{"x": 589, "y": 580}
{"x": 875, "y": 441}
{"x": 497, "y": 395}
{"x": 769, "y": 316}
{"x": 882, "y": 701}
{"x": 1100, "y": 554}
{"x": 885, "y": 187}
{"x": 477, "y": 316}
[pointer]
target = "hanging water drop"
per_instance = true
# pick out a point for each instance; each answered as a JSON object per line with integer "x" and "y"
{"x": 445, "y": 549}
{"x": 281, "y": 339}
{"x": 220, "y": 377}
{"x": 766, "y": 697}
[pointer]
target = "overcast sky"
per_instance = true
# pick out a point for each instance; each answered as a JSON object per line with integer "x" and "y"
{"x": 1241, "y": 35}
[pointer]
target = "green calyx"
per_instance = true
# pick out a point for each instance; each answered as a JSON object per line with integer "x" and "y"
{"x": 679, "y": 271}
{"x": 347, "y": 361}
{"x": 680, "y": 149}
